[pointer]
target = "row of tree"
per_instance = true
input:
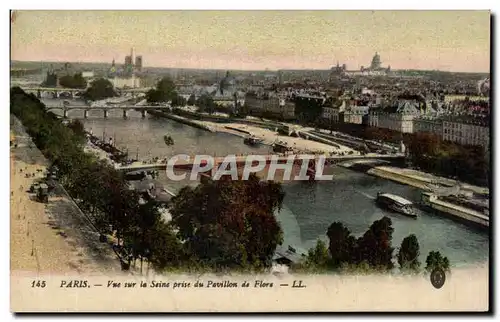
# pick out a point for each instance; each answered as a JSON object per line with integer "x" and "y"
{"x": 430, "y": 153}
{"x": 371, "y": 251}
{"x": 217, "y": 225}
{"x": 73, "y": 81}
{"x": 99, "y": 189}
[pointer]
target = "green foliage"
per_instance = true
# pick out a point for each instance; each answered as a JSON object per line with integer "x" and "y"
{"x": 99, "y": 189}
{"x": 428, "y": 152}
{"x": 318, "y": 258}
{"x": 75, "y": 81}
{"x": 374, "y": 246}
{"x": 100, "y": 89}
{"x": 408, "y": 254}
{"x": 436, "y": 260}
{"x": 192, "y": 100}
{"x": 308, "y": 110}
{"x": 165, "y": 92}
{"x": 206, "y": 104}
{"x": 342, "y": 245}
{"x": 230, "y": 223}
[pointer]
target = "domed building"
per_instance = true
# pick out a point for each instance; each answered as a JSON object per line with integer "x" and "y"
{"x": 227, "y": 93}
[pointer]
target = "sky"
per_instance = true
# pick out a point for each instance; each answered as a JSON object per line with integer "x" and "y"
{"x": 256, "y": 40}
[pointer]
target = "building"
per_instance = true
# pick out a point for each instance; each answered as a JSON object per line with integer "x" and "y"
{"x": 138, "y": 63}
{"x": 128, "y": 60}
{"x": 428, "y": 124}
{"x": 356, "y": 114}
{"x": 269, "y": 105}
{"x": 375, "y": 69}
{"x": 397, "y": 117}
{"x": 125, "y": 82}
{"x": 466, "y": 130}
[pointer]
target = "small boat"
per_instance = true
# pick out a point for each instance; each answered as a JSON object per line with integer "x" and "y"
{"x": 281, "y": 147}
{"x": 396, "y": 203}
{"x": 252, "y": 140}
{"x": 168, "y": 140}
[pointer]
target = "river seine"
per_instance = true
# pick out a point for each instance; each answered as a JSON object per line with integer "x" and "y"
{"x": 308, "y": 209}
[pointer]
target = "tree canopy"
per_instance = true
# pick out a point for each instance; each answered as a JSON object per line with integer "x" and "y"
{"x": 100, "y": 89}
{"x": 436, "y": 260}
{"x": 230, "y": 223}
{"x": 408, "y": 254}
{"x": 73, "y": 81}
{"x": 165, "y": 91}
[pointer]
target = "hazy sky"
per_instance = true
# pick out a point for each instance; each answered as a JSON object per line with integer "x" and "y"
{"x": 444, "y": 40}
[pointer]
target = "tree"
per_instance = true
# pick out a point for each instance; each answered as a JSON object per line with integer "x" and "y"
{"x": 342, "y": 244}
{"x": 75, "y": 81}
{"x": 78, "y": 130}
{"x": 317, "y": 257}
{"x": 99, "y": 89}
{"x": 178, "y": 100}
{"x": 205, "y": 104}
{"x": 436, "y": 260}
{"x": 408, "y": 253}
{"x": 375, "y": 245}
{"x": 164, "y": 91}
{"x": 230, "y": 223}
{"x": 192, "y": 100}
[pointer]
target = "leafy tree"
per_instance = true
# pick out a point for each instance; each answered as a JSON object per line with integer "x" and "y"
{"x": 205, "y": 104}
{"x": 78, "y": 130}
{"x": 342, "y": 244}
{"x": 230, "y": 223}
{"x": 74, "y": 81}
{"x": 100, "y": 89}
{"x": 375, "y": 245}
{"x": 192, "y": 100}
{"x": 178, "y": 100}
{"x": 317, "y": 257}
{"x": 436, "y": 260}
{"x": 164, "y": 92}
{"x": 408, "y": 253}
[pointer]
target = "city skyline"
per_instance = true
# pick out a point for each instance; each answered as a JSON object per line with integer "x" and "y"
{"x": 258, "y": 40}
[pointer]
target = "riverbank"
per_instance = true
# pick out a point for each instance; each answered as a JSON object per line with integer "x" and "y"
{"x": 434, "y": 186}
{"x": 183, "y": 120}
{"x": 299, "y": 145}
{"x": 47, "y": 238}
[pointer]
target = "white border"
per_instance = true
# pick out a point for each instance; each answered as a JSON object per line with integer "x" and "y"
{"x": 186, "y": 4}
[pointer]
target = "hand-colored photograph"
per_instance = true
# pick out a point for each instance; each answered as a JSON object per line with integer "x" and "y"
{"x": 250, "y": 161}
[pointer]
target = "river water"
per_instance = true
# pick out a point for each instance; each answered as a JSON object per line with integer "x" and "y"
{"x": 308, "y": 209}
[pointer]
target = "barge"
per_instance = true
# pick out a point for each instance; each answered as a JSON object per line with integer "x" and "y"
{"x": 396, "y": 204}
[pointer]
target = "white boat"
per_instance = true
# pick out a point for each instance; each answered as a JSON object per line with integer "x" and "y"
{"x": 396, "y": 203}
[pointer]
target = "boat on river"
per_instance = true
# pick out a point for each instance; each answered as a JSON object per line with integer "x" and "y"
{"x": 281, "y": 147}
{"x": 252, "y": 140}
{"x": 396, "y": 203}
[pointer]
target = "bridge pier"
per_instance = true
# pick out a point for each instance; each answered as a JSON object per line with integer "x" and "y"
{"x": 106, "y": 114}
{"x": 39, "y": 94}
{"x": 125, "y": 114}
{"x": 144, "y": 113}
{"x": 65, "y": 113}
{"x": 85, "y": 113}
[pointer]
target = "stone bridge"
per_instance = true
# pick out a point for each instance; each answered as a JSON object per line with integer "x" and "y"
{"x": 125, "y": 108}
{"x": 72, "y": 92}
{"x": 241, "y": 160}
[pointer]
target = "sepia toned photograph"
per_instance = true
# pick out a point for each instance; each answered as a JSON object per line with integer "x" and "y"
{"x": 250, "y": 161}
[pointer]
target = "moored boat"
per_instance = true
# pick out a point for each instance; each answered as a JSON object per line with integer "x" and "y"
{"x": 281, "y": 147}
{"x": 396, "y": 203}
{"x": 252, "y": 140}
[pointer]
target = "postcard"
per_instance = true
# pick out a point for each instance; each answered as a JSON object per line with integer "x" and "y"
{"x": 250, "y": 161}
